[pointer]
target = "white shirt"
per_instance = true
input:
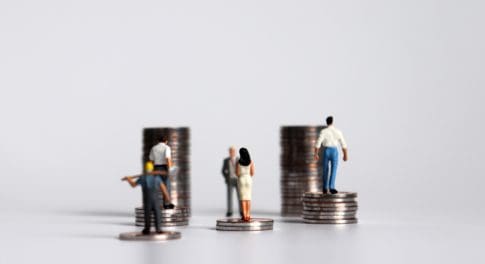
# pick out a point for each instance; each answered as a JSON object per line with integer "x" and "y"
{"x": 232, "y": 167}
{"x": 331, "y": 137}
{"x": 160, "y": 153}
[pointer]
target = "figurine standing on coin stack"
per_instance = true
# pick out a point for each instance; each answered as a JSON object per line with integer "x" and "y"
{"x": 229, "y": 173}
{"x": 245, "y": 172}
{"x": 330, "y": 138}
{"x": 151, "y": 185}
{"x": 161, "y": 156}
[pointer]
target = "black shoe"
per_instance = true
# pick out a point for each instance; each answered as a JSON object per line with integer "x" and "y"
{"x": 159, "y": 232}
{"x": 325, "y": 191}
{"x": 333, "y": 191}
{"x": 145, "y": 231}
{"x": 168, "y": 206}
{"x": 228, "y": 214}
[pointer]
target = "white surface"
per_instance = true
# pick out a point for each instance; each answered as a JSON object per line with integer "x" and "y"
{"x": 404, "y": 80}
{"x": 90, "y": 236}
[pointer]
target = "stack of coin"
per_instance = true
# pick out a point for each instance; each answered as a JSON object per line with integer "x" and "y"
{"x": 236, "y": 224}
{"x": 339, "y": 208}
{"x": 300, "y": 173}
{"x": 179, "y": 142}
{"x": 169, "y": 217}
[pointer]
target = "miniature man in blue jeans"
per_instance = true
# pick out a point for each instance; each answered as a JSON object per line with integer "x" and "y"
{"x": 330, "y": 138}
{"x": 151, "y": 184}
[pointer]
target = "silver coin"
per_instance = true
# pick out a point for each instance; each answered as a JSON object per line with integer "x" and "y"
{"x": 331, "y": 213}
{"x": 164, "y": 224}
{"x": 323, "y": 221}
{"x": 337, "y": 195}
{"x": 239, "y": 228}
{"x": 237, "y": 222}
{"x": 323, "y": 205}
{"x": 329, "y": 200}
{"x": 328, "y": 217}
{"x": 138, "y": 236}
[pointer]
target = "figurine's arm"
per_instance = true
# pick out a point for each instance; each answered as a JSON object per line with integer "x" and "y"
{"x": 251, "y": 169}
{"x": 344, "y": 150}
{"x": 157, "y": 172}
{"x": 343, "y": 144}
{"x": 237, "y": 169}
{"x": 318, "y": 144}
{"x": 315, "y": 153}
{"x": 130, "y": 180}
{"x": 225, "y": 169}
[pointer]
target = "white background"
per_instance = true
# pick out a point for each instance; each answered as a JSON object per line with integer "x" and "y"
{"x": 80, "y": 79}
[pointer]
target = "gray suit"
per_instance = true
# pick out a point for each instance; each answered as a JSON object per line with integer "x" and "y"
{"x": 231, "y": 182}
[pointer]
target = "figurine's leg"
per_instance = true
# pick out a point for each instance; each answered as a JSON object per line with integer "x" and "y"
{"x": 156, "y": 214}
{"x": 229, "y": 198}
{"x": 166, "y": 181}
{"x": 249, "y": 210}
{"x": 334, "y": 164}
{"x": 325, "y": 169}
{"x": 238, "y": 198}
{"x": 147, "y": 212}
{"x": 244, "y": 209}
{"x": 165, "y": 194}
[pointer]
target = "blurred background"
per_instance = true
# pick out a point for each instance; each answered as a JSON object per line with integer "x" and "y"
{"x": 79, "y": 80}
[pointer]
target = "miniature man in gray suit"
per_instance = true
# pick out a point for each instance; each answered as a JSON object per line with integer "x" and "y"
{"x": 229, "y": 173}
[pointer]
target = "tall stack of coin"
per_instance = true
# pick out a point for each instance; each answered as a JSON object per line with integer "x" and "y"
{"x": 339, "y": 208}
{"x": 169, "y": 217}
{"x": 300, "y": 173}
{"x": 179, "y": 142}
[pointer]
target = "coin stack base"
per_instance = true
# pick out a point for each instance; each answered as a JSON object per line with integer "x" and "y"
{"x": 168, "y": 217}
{"x": 138, "y": 236}
{"x": 339, "y": 208}
{"x": 236, "y": 224}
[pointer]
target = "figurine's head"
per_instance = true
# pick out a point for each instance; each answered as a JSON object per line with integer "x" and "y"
{"x": 163, "y": 139}
{"x": 329, "y": 120}
{"x": 232, "y": 151}
{"x": 148, "y": 166}
{"x": 244, "y": 158}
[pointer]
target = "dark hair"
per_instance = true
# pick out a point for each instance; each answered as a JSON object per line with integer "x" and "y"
{"x": 244, "y": 158}
{"x": 163, "y": 139}
{"x": 329, "y": 120}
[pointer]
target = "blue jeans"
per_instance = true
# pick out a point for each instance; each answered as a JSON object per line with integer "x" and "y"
{"x": 330, "y": 158}
{"x": 165, "y": 178}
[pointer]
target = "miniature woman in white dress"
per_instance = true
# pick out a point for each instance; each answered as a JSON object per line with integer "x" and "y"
{"x": 245, "y": 172}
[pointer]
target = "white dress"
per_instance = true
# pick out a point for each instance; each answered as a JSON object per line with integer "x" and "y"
{"x": 244, "y": 182}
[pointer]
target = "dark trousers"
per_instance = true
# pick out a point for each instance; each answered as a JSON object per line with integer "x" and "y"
{"x": 231, "y": 186}
{"x": 151, "y": 203}
{"x": 165, "y": 178}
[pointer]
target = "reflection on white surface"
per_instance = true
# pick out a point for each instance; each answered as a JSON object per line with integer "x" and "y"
{"x": 91, "y": 237}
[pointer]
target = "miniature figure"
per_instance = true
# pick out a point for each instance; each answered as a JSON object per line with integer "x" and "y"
{"x": 245, "y": 172}
{"x": 229, "y": 173}
{"x": 151, "y": 184}
{"x": 161, "y": 156}
{"x": 330, "y": 137}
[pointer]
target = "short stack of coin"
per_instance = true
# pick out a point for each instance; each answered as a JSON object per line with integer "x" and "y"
{"x": 179, "y": 142}
{"x": 339, "y": 208}
{"x": 300, "y": 173}
{"x": 236, "y": 224}
{"x": 168, "y": 217}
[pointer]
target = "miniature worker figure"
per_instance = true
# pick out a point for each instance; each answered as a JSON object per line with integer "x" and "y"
{"x": 161, "y": 156}
{"x": 245, "y": 172}
{"x": 151, "y": 184}
{"x": 229, "y": 173}
{"x": 331, "y": 138}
